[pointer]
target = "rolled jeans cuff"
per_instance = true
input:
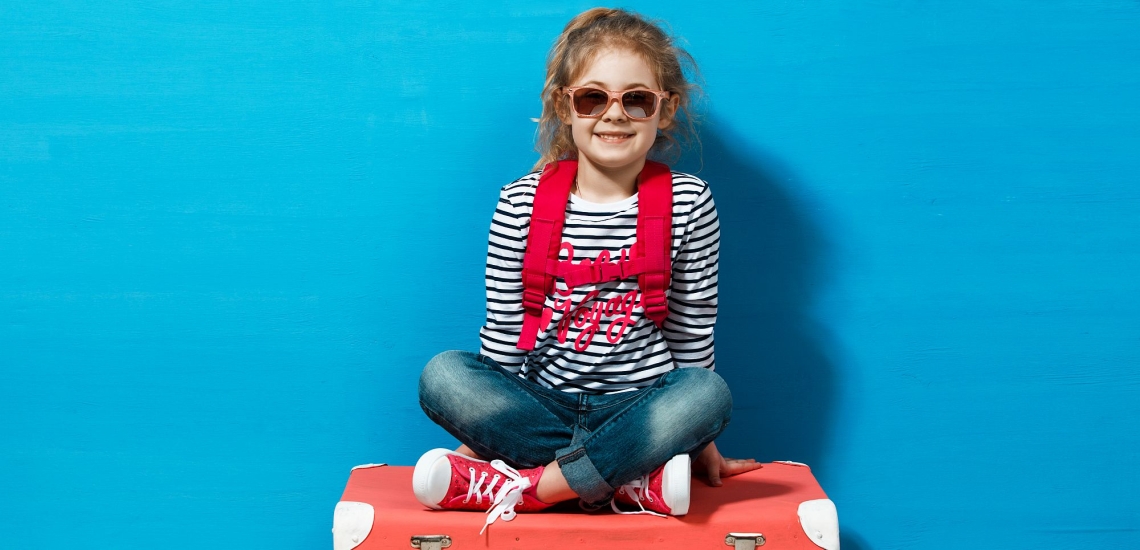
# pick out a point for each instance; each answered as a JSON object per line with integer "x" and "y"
{"x": 582, "y": 477}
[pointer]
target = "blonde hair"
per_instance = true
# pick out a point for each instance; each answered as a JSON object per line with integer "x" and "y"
{"x": 598, "y": 29}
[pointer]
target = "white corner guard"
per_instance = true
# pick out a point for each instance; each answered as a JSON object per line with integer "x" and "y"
{"x": 352, "y": 521}
{"x": 365, "y": 466}
{"x": 820, "y": 522}
{"x": 792, "y": 463}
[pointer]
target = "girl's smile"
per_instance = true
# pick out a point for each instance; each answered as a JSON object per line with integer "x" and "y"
{"x": 613, "y": 137}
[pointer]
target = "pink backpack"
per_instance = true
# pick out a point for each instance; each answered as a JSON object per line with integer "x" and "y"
{"x": 649, "y": 258}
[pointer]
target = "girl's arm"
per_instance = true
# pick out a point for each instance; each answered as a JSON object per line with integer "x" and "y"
{"x": 506, "y": 245}
{"x": 693, "y": 294}
{"x": 692, "y": 313}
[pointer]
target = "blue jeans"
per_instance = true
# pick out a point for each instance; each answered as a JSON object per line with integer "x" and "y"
{"x": 601, "y": 442}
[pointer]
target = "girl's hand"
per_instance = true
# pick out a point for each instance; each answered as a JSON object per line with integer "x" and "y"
{"x": 718, "y": 466}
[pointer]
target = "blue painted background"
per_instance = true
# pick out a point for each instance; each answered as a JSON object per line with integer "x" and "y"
{"x": 231, "y": 234}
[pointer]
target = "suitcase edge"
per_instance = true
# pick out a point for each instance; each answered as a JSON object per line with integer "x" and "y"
{"x": 353, "y": 521}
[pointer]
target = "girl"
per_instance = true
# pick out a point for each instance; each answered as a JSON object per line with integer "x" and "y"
{"x": 594, "y": 391}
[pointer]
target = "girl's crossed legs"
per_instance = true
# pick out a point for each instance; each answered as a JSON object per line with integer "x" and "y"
{"x": 599, "y": 442}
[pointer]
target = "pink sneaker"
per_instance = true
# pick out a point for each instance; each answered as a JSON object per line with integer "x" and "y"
{"x": 446, "y": 480}
{"x": 664, "y": 492}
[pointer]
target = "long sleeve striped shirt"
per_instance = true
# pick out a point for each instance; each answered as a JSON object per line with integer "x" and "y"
{"x": 598, "y": 339}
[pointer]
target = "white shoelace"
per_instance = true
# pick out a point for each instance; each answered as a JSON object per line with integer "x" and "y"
{"x": 637, "y": 490}
{"x": 473, "y": 486}
{"x": 508, "y": 496}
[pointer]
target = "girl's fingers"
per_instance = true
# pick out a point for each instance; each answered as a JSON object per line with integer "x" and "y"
{"x": 714, "y": 473}
{"x": 735, "y": 466}
{"x": 749, "y": 466}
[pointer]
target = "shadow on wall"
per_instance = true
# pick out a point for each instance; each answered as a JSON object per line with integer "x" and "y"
{"x": 851, "y": 541}
{"x": 768, "y": 347}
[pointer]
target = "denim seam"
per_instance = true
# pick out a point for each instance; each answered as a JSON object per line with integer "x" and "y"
{"x": 614, "y": 420}
{"x": 616, "y": 403}
{"x": 574, "y": 457}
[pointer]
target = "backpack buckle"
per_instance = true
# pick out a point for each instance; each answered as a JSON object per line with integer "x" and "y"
{"x": 533, "y": 299}
{"x": 610, "y": 271}
{"x": 655, "y": 306}
{"x": 576, "y": 274}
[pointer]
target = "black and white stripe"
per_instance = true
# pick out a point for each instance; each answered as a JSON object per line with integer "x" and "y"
{"x": 644, "y": 352}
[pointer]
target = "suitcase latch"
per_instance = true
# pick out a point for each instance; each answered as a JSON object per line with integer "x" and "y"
{"x": 431, "y": 542}
{"x": 744, "y": 541}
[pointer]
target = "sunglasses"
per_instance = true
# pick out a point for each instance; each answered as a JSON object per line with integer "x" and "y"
{"x": 591, "y": 102}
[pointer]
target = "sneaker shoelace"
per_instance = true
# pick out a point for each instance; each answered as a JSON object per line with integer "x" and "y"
{"x": 473, "y": 486}
{"x": 637, "y": 489}
{"x": 509, "y": 495}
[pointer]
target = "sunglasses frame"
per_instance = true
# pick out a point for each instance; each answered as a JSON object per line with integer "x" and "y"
{"x": 615, "y": 95}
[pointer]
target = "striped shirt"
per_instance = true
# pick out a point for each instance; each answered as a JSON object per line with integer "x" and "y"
{"x": 598, "y": 339}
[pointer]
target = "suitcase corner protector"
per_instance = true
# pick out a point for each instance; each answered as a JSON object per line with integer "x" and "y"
{"x": 365, "y": 466}
{"x": 352, "y": 522}
{"x": 820, "y": 522}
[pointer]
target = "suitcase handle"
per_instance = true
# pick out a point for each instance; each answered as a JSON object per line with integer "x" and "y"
{"x": 431, "y": 542}
{"x": 744, "y": 541}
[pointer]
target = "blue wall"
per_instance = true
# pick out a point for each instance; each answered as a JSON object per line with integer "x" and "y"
{"x": 230, "y": 236}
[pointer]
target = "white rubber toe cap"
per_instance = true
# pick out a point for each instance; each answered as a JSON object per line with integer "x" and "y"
{"x": 432, "y": 477}
{"x": 675, "y": 482}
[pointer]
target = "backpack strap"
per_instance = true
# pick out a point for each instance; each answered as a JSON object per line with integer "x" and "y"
{"x": 654, "y": 238}
{"x": 540, "y": 261}
{"x": 650, "y": 256}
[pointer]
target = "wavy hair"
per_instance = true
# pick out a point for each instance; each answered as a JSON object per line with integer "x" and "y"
{"x": 588, "y": 34}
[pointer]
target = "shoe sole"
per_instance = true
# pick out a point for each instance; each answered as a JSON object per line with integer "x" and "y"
{"x": 421, "y": 477}
{"x": 675, "y": 481}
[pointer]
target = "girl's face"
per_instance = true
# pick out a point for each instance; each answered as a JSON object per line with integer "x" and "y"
{"x": 613, "y": 141}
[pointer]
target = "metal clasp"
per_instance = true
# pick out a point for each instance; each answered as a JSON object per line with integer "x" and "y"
{"x": 431, "y": 542}
{"x": 744, "y": 541}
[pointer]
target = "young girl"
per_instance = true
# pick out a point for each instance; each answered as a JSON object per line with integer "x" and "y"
{"x": 594, "y": 391}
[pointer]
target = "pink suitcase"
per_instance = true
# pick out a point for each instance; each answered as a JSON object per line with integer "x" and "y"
{"x": 778, "y": 507}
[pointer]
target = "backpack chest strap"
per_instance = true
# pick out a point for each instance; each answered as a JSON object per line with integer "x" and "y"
{"x": 592, "y": 271}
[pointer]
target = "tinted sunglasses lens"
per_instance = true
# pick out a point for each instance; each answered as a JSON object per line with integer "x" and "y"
{"x": 639, "y": 104}
{"x": 590, "y": 101}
